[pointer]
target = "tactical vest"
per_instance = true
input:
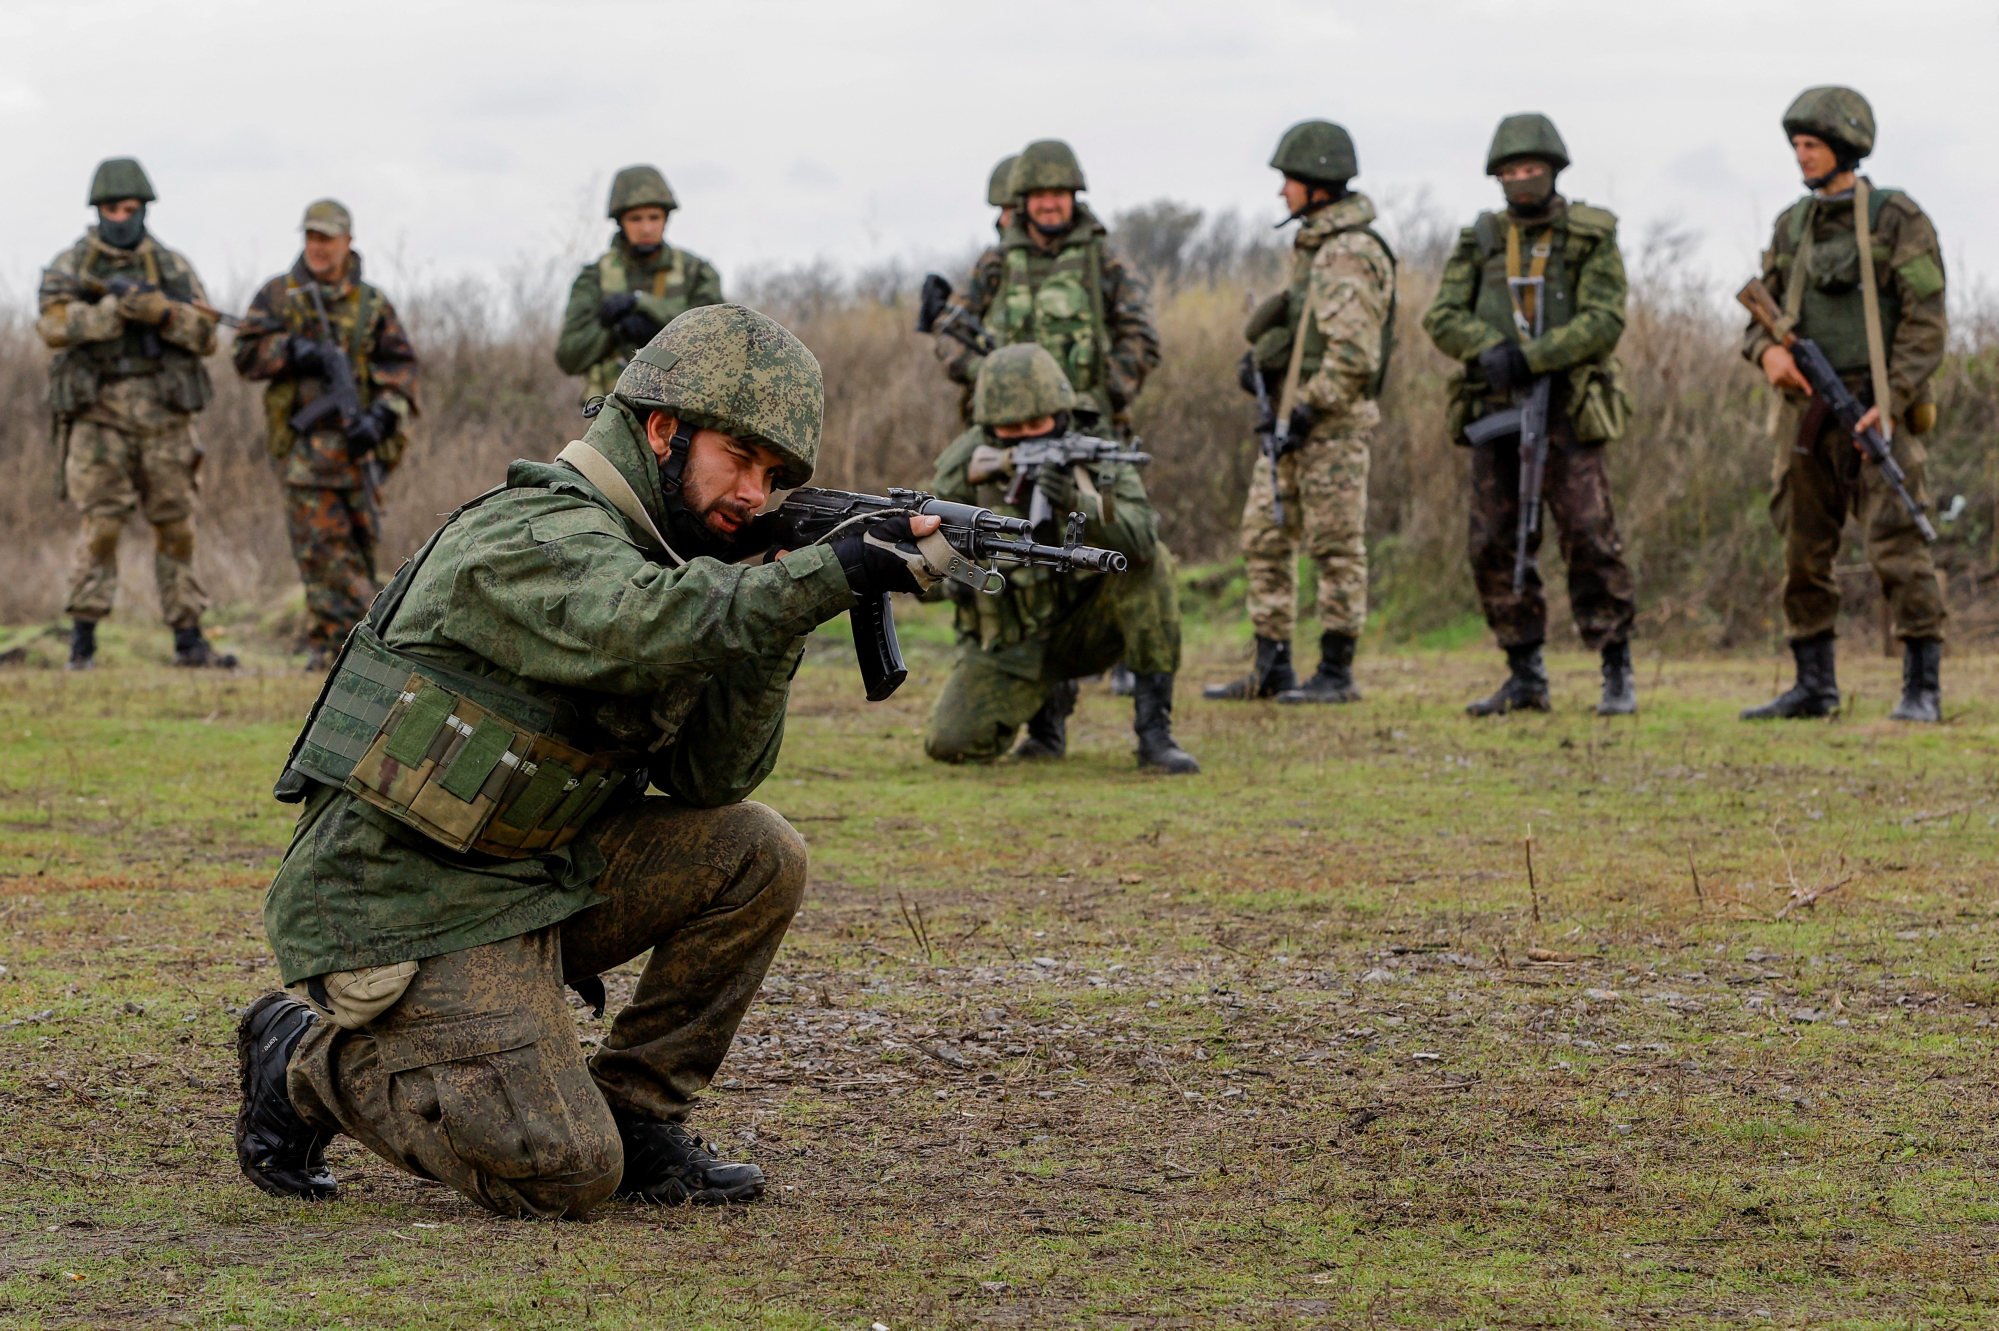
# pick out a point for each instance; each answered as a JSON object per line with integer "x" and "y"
{"x": 78, "y": 373}
{"x": 1058, "y": 301}
{"x": 1831, "y": 313}
{"x": 1275, "y": 323}
{"x": 352, "y": 318}
{"x": 614, "y": 275}
{"x": 1570, "y": 239}
{"x": 472, "y": 764}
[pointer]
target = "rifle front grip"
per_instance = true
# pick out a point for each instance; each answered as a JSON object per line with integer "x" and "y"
{"x": 876, "y": 651}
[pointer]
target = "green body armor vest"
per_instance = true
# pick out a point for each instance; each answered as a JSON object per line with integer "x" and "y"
{"x": 1057, "y": 300}
{"x": 1831, "y": 312}
{"x": 614, "y": 275}
{"x": 1569, "y": 239}
{"x": 77, "y": 374}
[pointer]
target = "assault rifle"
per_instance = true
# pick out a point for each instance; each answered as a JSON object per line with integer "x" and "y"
{"x": 340, "y": 404}
{"x": 936, "y": 314}
{"x": 1526, "y": 421}
{"x": 1029, "y": 456}
{"x": 120, "y": 287}
{"x": 980, "y": 538}
{"x": 1273, "y": 439}
{"x": 1830, "y": 389}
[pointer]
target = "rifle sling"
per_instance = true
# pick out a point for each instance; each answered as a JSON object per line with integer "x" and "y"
{"x": 1525, "y": 318}
{"x": 602, "y": 473}
{"x": 1870, "y": 306}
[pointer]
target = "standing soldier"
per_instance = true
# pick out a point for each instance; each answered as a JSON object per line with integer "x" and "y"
{"x": 1859, "y": 271}
{"x": 1560, "y": 256}
{"x": 1022, "y": 649}
{"x": 129, "y": 322}
{"x": 633, "y": 289}
{"x": 1321, "y": 348}
{"x": 961, "y": 360}
{"x": 308, "y": 332}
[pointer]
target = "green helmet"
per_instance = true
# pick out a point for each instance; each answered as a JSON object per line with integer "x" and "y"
{"x": 638, "y": 187}
{"x": 120, "y": 178}
{"x": 996, "y": 188}
{"x": 1838, "y": 115}
{"x": 1317, "y": 152}
{"x": 1045, "y": 164}
{"x": 1020, "y": 383}
{"x": 729, "y": 368}
{"x": 1529, "y": 134}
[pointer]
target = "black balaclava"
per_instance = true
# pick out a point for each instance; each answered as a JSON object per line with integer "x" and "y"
{"x": 122, "y": 235}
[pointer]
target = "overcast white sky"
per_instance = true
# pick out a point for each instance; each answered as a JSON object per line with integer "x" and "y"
{"x": 469, "y": 137}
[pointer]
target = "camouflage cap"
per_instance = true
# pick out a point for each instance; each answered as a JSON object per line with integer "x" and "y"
{"x": 640, "y": 187}
{"x": 120, "y": 178}
{"x": 1045, "y": 164}
{"x": 1838, "y": 115}
{"x": 1529, "y": 134}
{"x": 1020, "y": 383}
{"x": 327, "y": 217}
{"x": 1317, "y": 152}
{"x": 729, "y": 368}
{"x": 1002, "y": 178}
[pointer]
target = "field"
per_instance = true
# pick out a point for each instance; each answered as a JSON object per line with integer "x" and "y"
{"x": 1389, "y": 1019}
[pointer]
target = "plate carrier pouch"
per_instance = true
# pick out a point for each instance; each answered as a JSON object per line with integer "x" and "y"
{"x": 471, "y": 764}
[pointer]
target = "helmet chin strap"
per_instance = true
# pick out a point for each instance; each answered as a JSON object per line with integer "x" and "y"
{"x": 675, "y": 462}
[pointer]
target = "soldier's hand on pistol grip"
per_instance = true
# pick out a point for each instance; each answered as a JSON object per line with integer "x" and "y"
{"x": 1303, "y": 418}
{"x": 1504, "y": 367}
{"x": 615, "y": 307}
{"x": 1058, "y": 487}
{"x": 370, "y": 429}
{"x": 889, "y": 556}
{"x": 1780, "y": 368}
{"x": 149, "y": 307}
{"x": 302, "y": 355}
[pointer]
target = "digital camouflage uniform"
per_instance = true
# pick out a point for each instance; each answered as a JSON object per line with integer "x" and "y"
{"x": 1344, "y": 274}
{"x": 124, "y": 396}
{"x": 333, "y": 522}
{"x": 681, "y": 672}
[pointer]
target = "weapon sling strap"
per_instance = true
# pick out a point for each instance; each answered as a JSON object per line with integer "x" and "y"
{"x": 600, "y": 472}
{"x": 1288, "y": 398}
{"x": 1870, "y": 304}
{"x": 1524, "y": 317}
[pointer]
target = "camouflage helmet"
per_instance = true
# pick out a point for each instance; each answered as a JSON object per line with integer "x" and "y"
{"x": 1020, "y": 383}
{"x": 1838, "y": 115}
{"x": 996, "y": 188}
{"x": 1045, "y": 164}
{"x": 639, "y": 187}
{"x": 1317, "y": 152}
{"x": 120, "y": 178}
{"x": 1529, "y": 134}
{"x": 729, "y": 368}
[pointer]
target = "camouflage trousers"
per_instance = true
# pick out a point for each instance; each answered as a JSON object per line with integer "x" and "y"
{"x": 1132, "y": 617}
{"x": 110, "y": 475}
{"x": 1821, "y": 478}
{"x": 1575, "y": 497}
{"x": 1323, "y": 484}
{"x": 475, "y": 1077}
{"x": 333, "y": 535}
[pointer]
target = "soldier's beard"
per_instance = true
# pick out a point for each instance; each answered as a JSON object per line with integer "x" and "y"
{"x": 692, "y": 537}
{"x": 124, "y": 233}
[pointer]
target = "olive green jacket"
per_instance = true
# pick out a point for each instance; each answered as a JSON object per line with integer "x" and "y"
{"x": 588, "y": 348}
{"x": 546, "y": 588}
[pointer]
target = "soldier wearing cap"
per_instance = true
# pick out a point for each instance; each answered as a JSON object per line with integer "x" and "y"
{"x": 476, "y": 829}
{"x": 633, "y": 289}
{"x": 130, "y": 324}
{"x": 1321, "y": 347}
{"x": 330, "y": 470}
{"x": 1858, "y": 270}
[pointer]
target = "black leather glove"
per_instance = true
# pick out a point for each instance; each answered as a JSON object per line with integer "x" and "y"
{"x": 1303, "y": 418}
{"x": 883, "y": 558}
{"x": 1504, "y": 367}
{"x": 1058, "y": 487}
{"x": 302, "y": 355}
{"x": 638, "y": 327}
{"x": 615, "y": 307}
{"x": 1247, "y": 372}
{"x": 369, "y": 429}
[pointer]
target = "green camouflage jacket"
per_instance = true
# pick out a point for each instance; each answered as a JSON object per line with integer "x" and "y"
{"x": 546, "y": 588}
{"x": 667, "y": 283}
{"x": 378, "y": 348}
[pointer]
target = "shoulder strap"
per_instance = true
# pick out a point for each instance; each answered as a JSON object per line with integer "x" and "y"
{"x": 611, "y": 275}
{"x": 602, "y": 473}
{"x": 1865, "y": 210}
{"x": 1801, "y": 254}
{"x": 1486, "y": 229}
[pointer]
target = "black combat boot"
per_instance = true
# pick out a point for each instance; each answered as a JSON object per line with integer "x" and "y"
{"x": 1620, "y": 691}
{"x": 1333, "y": 681}
{"x": 1152, "y": 718}
{"x": 1922, "y": 687}
{"x": 278, "y": 1151}
{"x": 667, "y": 1165}
{"x": 1123, "y": 682}
{"x": 82, "y": 645}
{"x": 1271, "y": 675}
{"x": 1815, "y": 694}
{"x": 193, "y": 651}
{"x": 1525, "y": 689}
{"x": 1048, "y": 729}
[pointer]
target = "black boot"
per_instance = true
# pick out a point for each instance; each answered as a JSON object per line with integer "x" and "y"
{"x": 1123, "y": 682}
{"x": 1333, "y": 681}
{"x": 82, "y": 644}
{"x": 1048, "y": 729}
{"x": 193, "y": 650}
{"x": 1620, "y": 691}
{"x": 1817, "y": 691}
{"x": 669, "y": 1166}
{"x": 1153, "y": 720}
{"x": 1922, "y": 687}
{"x": 277, "y": 1150}
{"x": 1525, "y": 689}
{"x": 1271, "y": 675}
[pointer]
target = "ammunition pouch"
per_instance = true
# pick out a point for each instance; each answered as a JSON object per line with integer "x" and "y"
{"x": 1600, "y": 405}
{"x": 1921, "y": 418}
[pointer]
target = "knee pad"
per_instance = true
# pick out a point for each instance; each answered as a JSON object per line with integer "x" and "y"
{"x": 175, "y": 540}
